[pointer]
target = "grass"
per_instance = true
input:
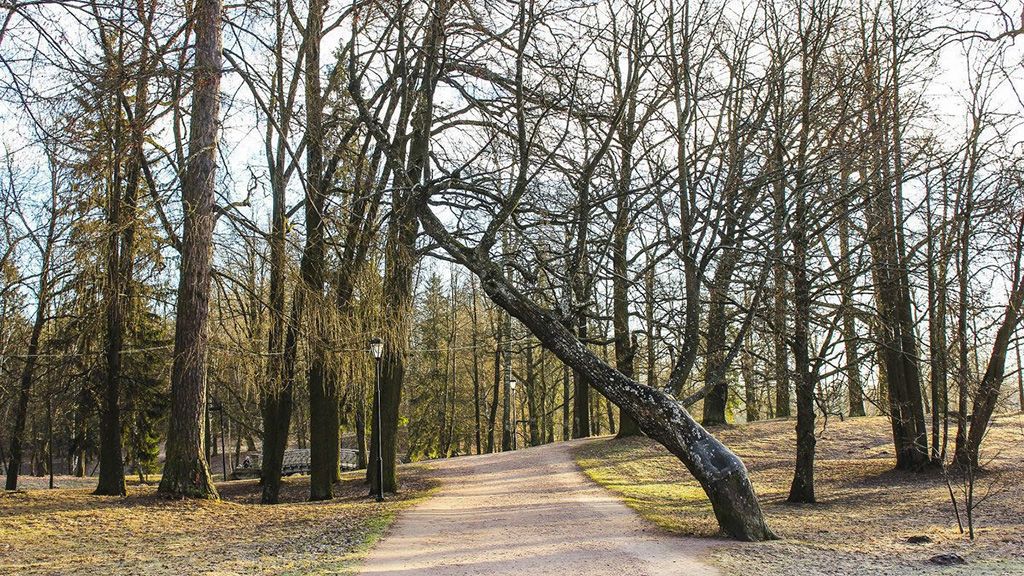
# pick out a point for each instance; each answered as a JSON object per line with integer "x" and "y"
{"x": 865, "y": 510}
{"x": 69, "y": 531}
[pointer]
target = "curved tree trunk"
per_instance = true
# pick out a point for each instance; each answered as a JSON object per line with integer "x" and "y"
{"x": 720, "y": 472}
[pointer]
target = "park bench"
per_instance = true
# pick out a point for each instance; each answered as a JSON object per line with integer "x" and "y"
{"x": 295, "y": 461}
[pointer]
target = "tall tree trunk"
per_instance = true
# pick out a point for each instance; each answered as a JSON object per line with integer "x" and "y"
{"x": 276, "y": 399}
{"x": 851, "y": 350}
{"x": 508, "y": 427}
{"x": 937, "y": 304}
{"x": 531, "y": 397}
{"x": 492, "y": 417}
{"x": 895, "y": 323}
{"x": 749, "y": 377}
{"x": 1020, "y": 378}
{"x": 397, "y": 306}
{"x": 566, "y": 393}
{"x": 186, "y": 472}
{"x": 802, "y": 487}
{"x": 625, "y": 348}
{"x": 581, "y": 388}
{"x": 400, "y": 248}
{"x": 476, "y": 367}
{"x": 111, "y": 476}
{"x": 682, "y": 96}
{"x": 361, "y": 456}
{"x": 715, "y": 372}
{"x": 579, "y": 292}
{"x": 323, "y": 397}
{"x": 780, "y": 302}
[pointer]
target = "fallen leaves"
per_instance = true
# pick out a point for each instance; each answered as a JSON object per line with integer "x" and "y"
{"x": 73, "y": 532}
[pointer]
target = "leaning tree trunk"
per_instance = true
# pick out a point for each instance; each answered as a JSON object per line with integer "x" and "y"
{"x": 186, "y": 472}
{"x": 988, "y": 391}
{"x": 32, "y": 357}
{"x": 721, "y": 473}
{"x": 24, "y": 391}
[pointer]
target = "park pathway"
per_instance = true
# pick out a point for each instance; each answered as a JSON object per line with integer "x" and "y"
{"x": 530, "y": 512}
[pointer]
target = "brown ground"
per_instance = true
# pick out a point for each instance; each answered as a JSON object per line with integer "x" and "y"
{"x": 532, "y": 512}
{"x": 865, "y": 510}
{"x": 69, "y": 531}
{"x": 529, "y": 513}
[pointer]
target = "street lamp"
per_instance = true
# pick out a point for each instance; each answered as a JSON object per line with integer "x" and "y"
{"x": 218, "y": 407}
{"x": 377, "y": 349}
{"x": 512, "y": 402}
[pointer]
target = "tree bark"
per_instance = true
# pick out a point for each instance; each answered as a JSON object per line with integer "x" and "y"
{"x": 323, "y": 397}
{"x": 186, "y": 472}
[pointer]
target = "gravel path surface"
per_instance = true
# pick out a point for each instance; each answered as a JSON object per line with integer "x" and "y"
{"x": 530, "y": 512}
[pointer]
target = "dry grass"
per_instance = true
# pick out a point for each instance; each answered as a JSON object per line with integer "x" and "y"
{"x": 865, "y": 510}
{"x": 69, "y": 531}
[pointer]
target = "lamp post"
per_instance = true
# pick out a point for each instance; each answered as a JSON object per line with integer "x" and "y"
{"x": 377, "y": 349}
{"x": 512, "y": 402}
{"x": 218, "y": 407}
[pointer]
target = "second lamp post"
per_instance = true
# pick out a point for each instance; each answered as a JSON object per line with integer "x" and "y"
{"x": 377, "y": 349}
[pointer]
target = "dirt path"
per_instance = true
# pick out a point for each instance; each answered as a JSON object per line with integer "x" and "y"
{"x": 529, "y": 512}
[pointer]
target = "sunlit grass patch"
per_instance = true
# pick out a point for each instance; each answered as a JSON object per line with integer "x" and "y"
{"x": 865, "y": 512}
{"x": 650, "y": 481}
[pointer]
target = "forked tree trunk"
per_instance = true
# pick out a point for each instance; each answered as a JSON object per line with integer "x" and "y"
{"x": 186, "y": 472}
{"x": 721, "y": 473}
{"x": 988, "y": 391}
